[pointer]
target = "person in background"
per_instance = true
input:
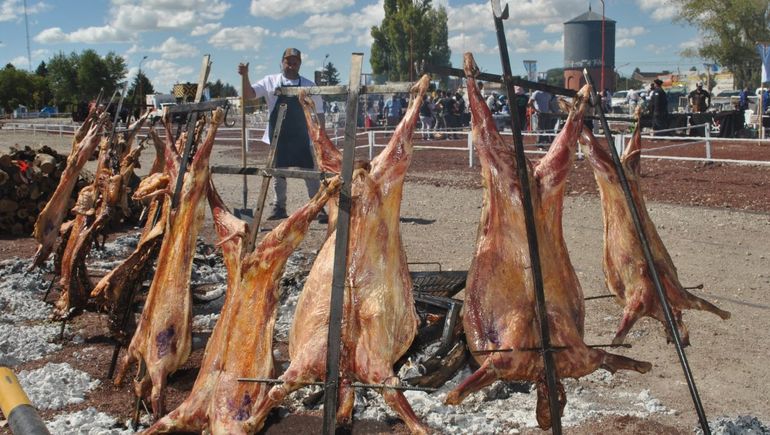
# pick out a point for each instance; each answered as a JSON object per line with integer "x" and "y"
{"x": 743, "y": 99}
{"x": 293, "y": 148}
{"x": 633, "y": 100}
{"x": 448, "y": 112}
{"x": 607, "y": 101}
{"x": 427, "y": 118}
{"x": 542, "y": 117}
{"x": 699, "y": 99}
{"x": 393, "y": 110}
{"x": 658, "y": 106}
{"x": 521, "y": 99}
{"x": 381, "y": 108}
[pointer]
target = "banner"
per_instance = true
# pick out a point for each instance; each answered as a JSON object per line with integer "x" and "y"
{"x": 764, "y": 54}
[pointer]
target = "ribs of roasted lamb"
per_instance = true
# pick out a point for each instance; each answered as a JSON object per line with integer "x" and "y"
{"x": 163, "y": 336}
{"x": 625, "y": 269}
{"x": 500, "y": 317}
{"x": 241, "y": 344}
{"x": 379, "y": 318}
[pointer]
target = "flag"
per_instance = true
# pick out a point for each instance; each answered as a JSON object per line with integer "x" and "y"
{"x": 764, "y": 54}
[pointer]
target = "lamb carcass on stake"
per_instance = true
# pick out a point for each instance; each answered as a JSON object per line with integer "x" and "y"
{"x": 625, "y": 269}
{"x": 50, "y": 219}
{"x": 500, "y": 306}
{"x": 241, "y": 345}
{"x": 379, "y": 318}
{"x": 163, "y": 336}
{"x": 115, "y": 290}
{"x": 96, "y": 203}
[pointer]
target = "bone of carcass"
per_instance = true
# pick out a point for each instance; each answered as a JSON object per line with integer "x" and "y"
{"x": 379, "y": 318}
{"x": 49, "y": 220}
{"x": 93, "y": 208}
{"x": 163, "y": 336}
{"x": 499, "y": 308}
{"x": 625, "y": 269}
{"x": 241, "y": 343}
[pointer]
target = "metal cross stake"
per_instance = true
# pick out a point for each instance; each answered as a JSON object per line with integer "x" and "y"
{"x": 529, "y": 220}
{"x": 650, "y": 261}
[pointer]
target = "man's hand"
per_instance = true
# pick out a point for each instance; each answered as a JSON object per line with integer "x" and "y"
{"x": 247, "y": 91}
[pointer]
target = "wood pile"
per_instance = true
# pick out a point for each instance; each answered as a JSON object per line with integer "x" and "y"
{"x": 27, "y": 180}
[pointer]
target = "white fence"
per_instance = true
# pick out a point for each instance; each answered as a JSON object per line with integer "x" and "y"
{"x": 378, "y": 138}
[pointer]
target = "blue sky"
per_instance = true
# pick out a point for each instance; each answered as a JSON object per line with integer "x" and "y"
{"x": 175, "y": 34}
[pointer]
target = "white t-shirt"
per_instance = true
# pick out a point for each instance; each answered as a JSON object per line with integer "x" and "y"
{"x": 267, "y": 86}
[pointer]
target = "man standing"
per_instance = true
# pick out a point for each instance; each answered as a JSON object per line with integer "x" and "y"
{"x": 541, "y": 102}
{"x": 393, "y": 110}
{"x": 293, "y": 148}
{"x": 700, "y": 99}
{"x": 658, "y": 106}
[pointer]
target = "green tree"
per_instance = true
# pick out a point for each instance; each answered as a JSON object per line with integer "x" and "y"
{"x": 221, "y": 90}
{"x": 731, "y": 29}
{"x": 42, "y": 69}
{"x": 138, "y": 88}
{"x": 330, "y": 75}
{"x": 15, "y": 88}
{"x": 80, "y": 77}
{"x": 412, "y": 32}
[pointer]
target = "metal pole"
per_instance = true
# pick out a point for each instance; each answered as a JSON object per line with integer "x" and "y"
{"x": 334, "y": 345}
{"x": 651, "y": 266}
{"x": 602, "y": 72}
{"x": 529, "y": 221}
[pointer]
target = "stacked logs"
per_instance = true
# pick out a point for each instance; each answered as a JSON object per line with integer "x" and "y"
{"x": 27, "y": 179}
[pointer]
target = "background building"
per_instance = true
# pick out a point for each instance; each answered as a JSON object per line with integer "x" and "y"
{"x": 583, "y": 49}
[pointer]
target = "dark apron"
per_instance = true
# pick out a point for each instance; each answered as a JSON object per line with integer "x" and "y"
{"x": 293, "y": 147}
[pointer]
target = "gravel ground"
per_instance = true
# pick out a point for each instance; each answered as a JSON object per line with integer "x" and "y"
{"x": 710, "y": 240}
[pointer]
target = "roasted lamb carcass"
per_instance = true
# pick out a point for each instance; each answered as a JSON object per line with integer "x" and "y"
{"x": 95, "y": 205}
{"x": 116, "y": 289}
{"x": 49, "y": 220}
{"x": 500, "y": 318}
{"x": 241, "y": 343}
{"x": 379, "y": 318}
{"x": 163, "y": 336}
{"x": 625, "y": 269}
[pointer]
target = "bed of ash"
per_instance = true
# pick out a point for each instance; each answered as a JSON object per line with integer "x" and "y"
{"x": 27, "y": 334}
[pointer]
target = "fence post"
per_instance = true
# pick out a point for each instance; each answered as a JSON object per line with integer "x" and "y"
{"x": 370, "y": 138}
{"x": 470, "y": 151}
{"x": 61, "y": 130}
{"x": 620, "y": 143}
{"x": 248, "y": 147}
{"x": 708, "y": 141}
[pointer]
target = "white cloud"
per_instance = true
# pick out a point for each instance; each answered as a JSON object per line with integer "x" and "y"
{"x": 474, "y": 42}
{"x": 127, "y": 19}
{"x": 87, "y": 35}
{"x": 282, "y": 8}
{"x": 657, "y": 49}
{"x": 11, "y": 10}
{"x": 240, "y": 38}
{"x": 659, "y": 10}
{"x": 205, "y": 29}
{"x": 625, "y": 43}
{"x": 627, "y": 32}
{"x": 172, "y": 48}
{"x": 338, "y": 28}
{"x": 167, "y": 73}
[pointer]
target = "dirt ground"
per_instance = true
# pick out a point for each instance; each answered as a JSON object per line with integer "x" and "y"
{"x": 714, "y": 219}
